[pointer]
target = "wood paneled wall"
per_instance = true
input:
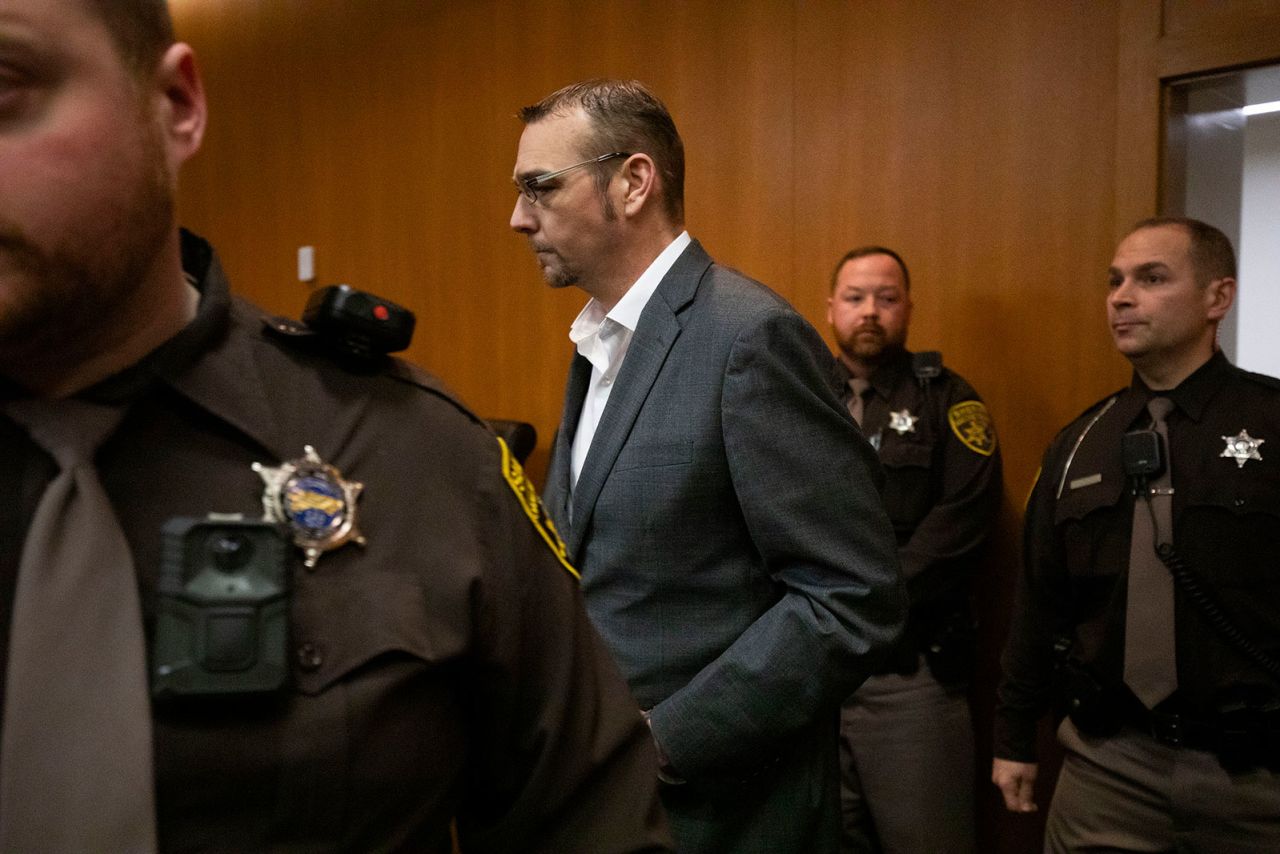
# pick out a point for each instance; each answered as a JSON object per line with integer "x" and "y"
{"x": 978, "y": 138}
{"x": 974, "y": 137}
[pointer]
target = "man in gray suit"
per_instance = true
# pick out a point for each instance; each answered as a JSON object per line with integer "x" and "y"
{"x": 707, "y": 482}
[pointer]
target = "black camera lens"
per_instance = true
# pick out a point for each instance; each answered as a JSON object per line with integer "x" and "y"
{"x": 231, "y": 551}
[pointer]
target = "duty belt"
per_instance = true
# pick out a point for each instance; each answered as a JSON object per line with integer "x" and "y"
{"x": 1243, "y": 739}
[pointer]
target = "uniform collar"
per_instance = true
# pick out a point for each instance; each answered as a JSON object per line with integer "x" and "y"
{"x": 209, "y": 362}
{"x": 887, "y": 376}
{"x": 173, "y": 356}
{"x": 890, "y": 373}
{"x": 1192, "y": 395}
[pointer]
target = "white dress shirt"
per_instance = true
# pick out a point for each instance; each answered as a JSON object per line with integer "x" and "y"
{"x": 602, "y": 339}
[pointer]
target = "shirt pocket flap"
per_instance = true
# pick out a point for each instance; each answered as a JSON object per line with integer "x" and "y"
{"x": 1240, "y": 495}
{"x": 351, "y": 622}
{"x": 1082, "y": 495}
{"x": 905, "y": 455}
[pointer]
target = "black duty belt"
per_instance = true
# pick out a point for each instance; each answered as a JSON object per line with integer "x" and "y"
{"x": 1241, "y": 740}
{"x": 1178, "y": 730}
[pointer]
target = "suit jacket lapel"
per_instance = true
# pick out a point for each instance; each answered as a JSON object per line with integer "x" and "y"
{"x": 656, "y": 332}
{"x": 556, "y": 494}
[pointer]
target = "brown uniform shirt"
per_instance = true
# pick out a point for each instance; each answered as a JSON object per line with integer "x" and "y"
{"x": 943, "y": 484}
{"x": 1226, "y": 525}
{"x": 444, "y": 671}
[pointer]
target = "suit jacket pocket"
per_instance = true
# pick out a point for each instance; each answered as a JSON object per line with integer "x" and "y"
{"x": 655, "y": 454}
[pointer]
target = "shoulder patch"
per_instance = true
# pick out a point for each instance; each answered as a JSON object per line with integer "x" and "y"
{"x": 513, "y": 474}
{"x": 971, "y": 423}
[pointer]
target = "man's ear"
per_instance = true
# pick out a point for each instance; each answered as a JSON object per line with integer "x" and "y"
{"x": 1219, "y": 297}
{"x": 639, "y": 183}
{"x": 178, "y": 97}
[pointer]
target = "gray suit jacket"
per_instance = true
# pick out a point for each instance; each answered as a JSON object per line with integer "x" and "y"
{"x": 734, "y": 554}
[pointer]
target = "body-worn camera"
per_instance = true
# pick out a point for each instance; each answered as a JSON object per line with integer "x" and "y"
{"x": 360, "y": 324}
{"x": 1142, "y": 452}
{"x": 357, "y": 327}
{"x": 221, "y": 608}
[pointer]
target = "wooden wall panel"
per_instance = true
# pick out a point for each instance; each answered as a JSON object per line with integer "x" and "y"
{"x": 979, "y": 145}
{"x": 978, "y": 137}
{"x": 976, "y": 143}
{"x": 386, "y": 140}
{"x": 1198, "y": 37}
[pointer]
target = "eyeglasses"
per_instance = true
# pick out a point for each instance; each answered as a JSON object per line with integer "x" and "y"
{"x": 529, "y": 187}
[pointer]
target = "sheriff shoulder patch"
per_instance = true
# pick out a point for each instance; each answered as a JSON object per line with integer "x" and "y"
{"x": 513, "y": 474}
{"x": 971, "y": 423}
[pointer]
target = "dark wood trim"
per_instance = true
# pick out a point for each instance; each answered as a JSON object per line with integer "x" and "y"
{"x": 1252, "y": 40}
{"x": 1234, "y": 36}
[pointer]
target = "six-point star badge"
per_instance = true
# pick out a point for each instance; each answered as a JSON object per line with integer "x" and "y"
{"x": 903, "y": 422}
{"x": 1242, "y": 447}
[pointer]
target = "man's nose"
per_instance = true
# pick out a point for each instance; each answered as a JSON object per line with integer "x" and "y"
{"x": 1121, "y": 294}
{"x": 521, "y": 220}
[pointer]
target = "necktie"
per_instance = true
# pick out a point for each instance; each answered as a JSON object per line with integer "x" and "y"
{"x": 75, "y": 757}
{"x": 857, "y": 400}
{"x": 1150, "y": 659}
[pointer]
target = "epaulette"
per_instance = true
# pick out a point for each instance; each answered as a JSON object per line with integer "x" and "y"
{"x": 407, "y": 372}
{"x": 926, "y": 365}
{"x": 1262, "y": 379}
{"x": 295, "y": 335}
{"x": 357, "y": 327}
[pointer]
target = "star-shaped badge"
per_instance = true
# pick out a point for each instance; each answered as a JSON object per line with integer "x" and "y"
{"x": 1241, "y": 448}
{"x": 903, "y": 422}
{"x": 312, "y": 499}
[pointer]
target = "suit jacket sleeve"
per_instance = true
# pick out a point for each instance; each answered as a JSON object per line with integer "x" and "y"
{"x": 807, "y": 487}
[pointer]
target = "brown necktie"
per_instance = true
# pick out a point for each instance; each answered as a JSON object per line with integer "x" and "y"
{"x": 857, "y": 400}
{"x": 1150, "y": 659}
{"x": 75, "y": 756}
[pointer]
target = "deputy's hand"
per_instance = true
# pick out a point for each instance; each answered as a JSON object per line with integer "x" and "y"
{"x": 1016, "y": 781}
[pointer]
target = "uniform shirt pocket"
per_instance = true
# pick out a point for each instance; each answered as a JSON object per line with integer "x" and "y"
{"x": 1229, "y": 529}
{"x": 346, "y": 622}
{"x": 1094, "y": 523}
{"x": 908, "y": 490}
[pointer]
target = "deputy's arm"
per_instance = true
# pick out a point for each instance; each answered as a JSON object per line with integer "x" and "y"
{"x": 564, "y": 762}
{"x": 1041, "y": 613}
